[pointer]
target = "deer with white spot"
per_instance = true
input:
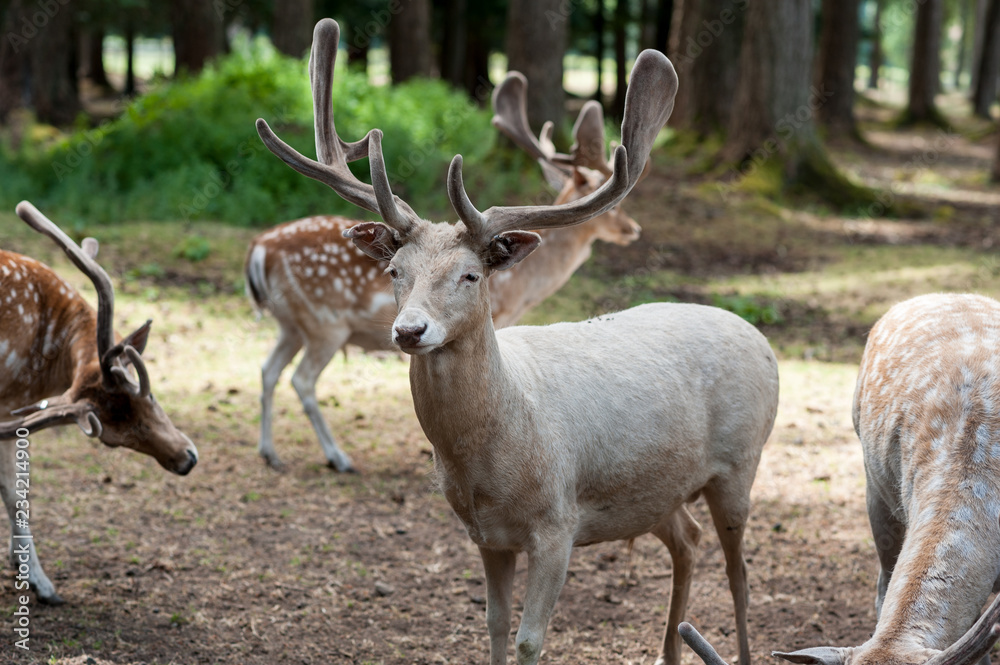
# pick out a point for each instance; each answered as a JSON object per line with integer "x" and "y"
{"x": 325, "y": 293}
{"x": 60, "y": 363}
{"x": 546, "y": 438}
{"x": 926, "y": 411}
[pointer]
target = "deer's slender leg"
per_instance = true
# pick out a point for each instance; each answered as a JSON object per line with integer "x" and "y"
{"x": 499, "y": 567}
{"x": 22, "y": 548}
{"x": 315, "y": 359}
{"x": 888, "y": 533}
{"x": 547, "y": 566}
{"x": 730, "y": 506}
{"x": 289, "y": 343}
{"x": 680, "y": 533}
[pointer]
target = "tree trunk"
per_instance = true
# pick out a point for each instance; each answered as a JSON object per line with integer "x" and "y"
{"x": 197, "y": 33}
{"x": 996, "y": 164}
{"x": 454, "y": 46}
{"x": 925, "y": 65}
{"x": 977, "y": 45}
{"x": 989, "y": 63}
{"x": 838, "y": 51}
{"x": 599, "y": 51}
{"x": 477, "y": 63}
{"x": 965, "y": 7}
{"x": 647, "y": 25}
{"x": 664, "y": 17}
{"x": 708, "y": 63}
{"x": 292, "y": 28}
{"x": 93, "y": 57}
{"x": 14, "y": 59}
{"x": 536, "y": 42}
{"x": 53, "y": 67}
{"x": 410, "y": 41}
{"x": 621, "y": 65}
{"x": 875, "y": 56}
{"x": 129, "y": 90}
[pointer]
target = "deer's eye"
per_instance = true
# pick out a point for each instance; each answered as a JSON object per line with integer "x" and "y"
{"x": 392, "y": 272}
{"x": 471, "y": 277}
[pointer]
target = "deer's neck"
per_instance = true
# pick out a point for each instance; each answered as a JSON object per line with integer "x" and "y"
{"x": 944, "y": 572}
{"x": 466, "y": 395}
{"x": 514, "y": 292}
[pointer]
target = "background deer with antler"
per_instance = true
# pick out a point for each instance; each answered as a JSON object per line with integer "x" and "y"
{"x": 325, "y": 293}
{"x": 546, "y": 438}
{"x": 62, "y": 364}
{"x": 925, "y": 409}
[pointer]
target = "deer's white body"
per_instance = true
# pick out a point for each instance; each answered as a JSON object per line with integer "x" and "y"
{"x": 547, "y": 438}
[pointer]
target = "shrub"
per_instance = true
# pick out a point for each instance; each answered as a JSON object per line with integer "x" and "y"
{"x": 189, "y": 150}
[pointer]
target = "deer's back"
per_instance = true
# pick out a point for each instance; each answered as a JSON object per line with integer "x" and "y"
{"x": 926, "y": 403}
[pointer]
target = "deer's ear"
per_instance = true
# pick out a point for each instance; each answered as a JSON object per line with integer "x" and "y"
{"x": 507, "y": 249}
{"x": 138, "y": 339}
{"x": 374, "y": 239}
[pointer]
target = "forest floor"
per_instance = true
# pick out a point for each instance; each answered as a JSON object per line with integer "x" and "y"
{"x": 239, "y": 564}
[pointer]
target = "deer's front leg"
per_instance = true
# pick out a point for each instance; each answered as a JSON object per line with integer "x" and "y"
{"x": 547, "y": 567}
{"x": 22, "y": 547}
{"x": 499, "y": 567}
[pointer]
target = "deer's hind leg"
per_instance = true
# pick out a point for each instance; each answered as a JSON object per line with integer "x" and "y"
{"x": 680, "y": 532}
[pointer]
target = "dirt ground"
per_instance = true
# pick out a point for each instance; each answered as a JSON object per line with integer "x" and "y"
{"x": 239, "y": 564}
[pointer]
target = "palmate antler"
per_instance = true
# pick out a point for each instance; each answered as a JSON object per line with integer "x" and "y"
{"x": 648, "y": 103}
{"x": 510, "y": 116}
{"x": 333, "y": 153}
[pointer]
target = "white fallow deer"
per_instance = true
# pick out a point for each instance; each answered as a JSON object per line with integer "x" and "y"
{"x": 60, "y": 363}
{"x": 325, "y": 293}
{"x": 546, "y": 438}
{"x": 927, "y": 411}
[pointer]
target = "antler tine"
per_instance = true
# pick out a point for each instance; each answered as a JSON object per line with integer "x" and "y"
{"x": 699, "y": 644}
{"x": 89, "y": 267}
{"x": 648, "y": 103}
{"x": 590, "y": 149}
{"x": 55, "y": 412}
{"x": 976, "y": 643}
{"x": 143, "y": 389}
{"x": 510, "y": 115}
{"x": 334, "y": 154}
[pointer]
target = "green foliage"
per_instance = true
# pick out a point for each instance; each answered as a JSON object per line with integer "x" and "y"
{"x": 193, "y": 248}
{"x": 748, "y": 308}
{"x": 189, "y": 150}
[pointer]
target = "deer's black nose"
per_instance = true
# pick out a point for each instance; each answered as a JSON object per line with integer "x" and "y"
{"x": 407, "y": 336}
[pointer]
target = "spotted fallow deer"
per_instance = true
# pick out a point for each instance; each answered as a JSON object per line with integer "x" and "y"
{"x": 927, "y": 411}
{"x": 60, "y": 363}
{"x": 325, "y": 293}
{"x": 546, "y": 438}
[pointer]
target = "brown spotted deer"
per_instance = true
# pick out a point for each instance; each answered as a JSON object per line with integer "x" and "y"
{"x": 546, "y": 438}
{"x": 325, "y": 293}
{"x": 60, "y": 363}
{"x": 927, "y": 411}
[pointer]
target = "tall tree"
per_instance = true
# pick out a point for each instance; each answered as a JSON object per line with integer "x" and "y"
{"x": 977, "y": 43}
{"x": 875, "y": 53}
{"x": 996, "y": 163}
{"x": 708, "y": 60}
{"x": 599, "y": 47}
{"x": 964, "y": 42}
{"x": 988, "y": 67}
{"x": 536, "y": 41}
{"x": 454, "y": 42}
{"x": 925, "y": 65}
{"x": 838, "y": 52}
{"x": 291, "y": 30}
{"x": 664, "y": 19}
{"x": 774, "y": 124}
{"x": 92, "y": 42}
{"x": 410, "y": 40}
{"x": 621, "y": 21}
{"x": 197, "y": 32}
